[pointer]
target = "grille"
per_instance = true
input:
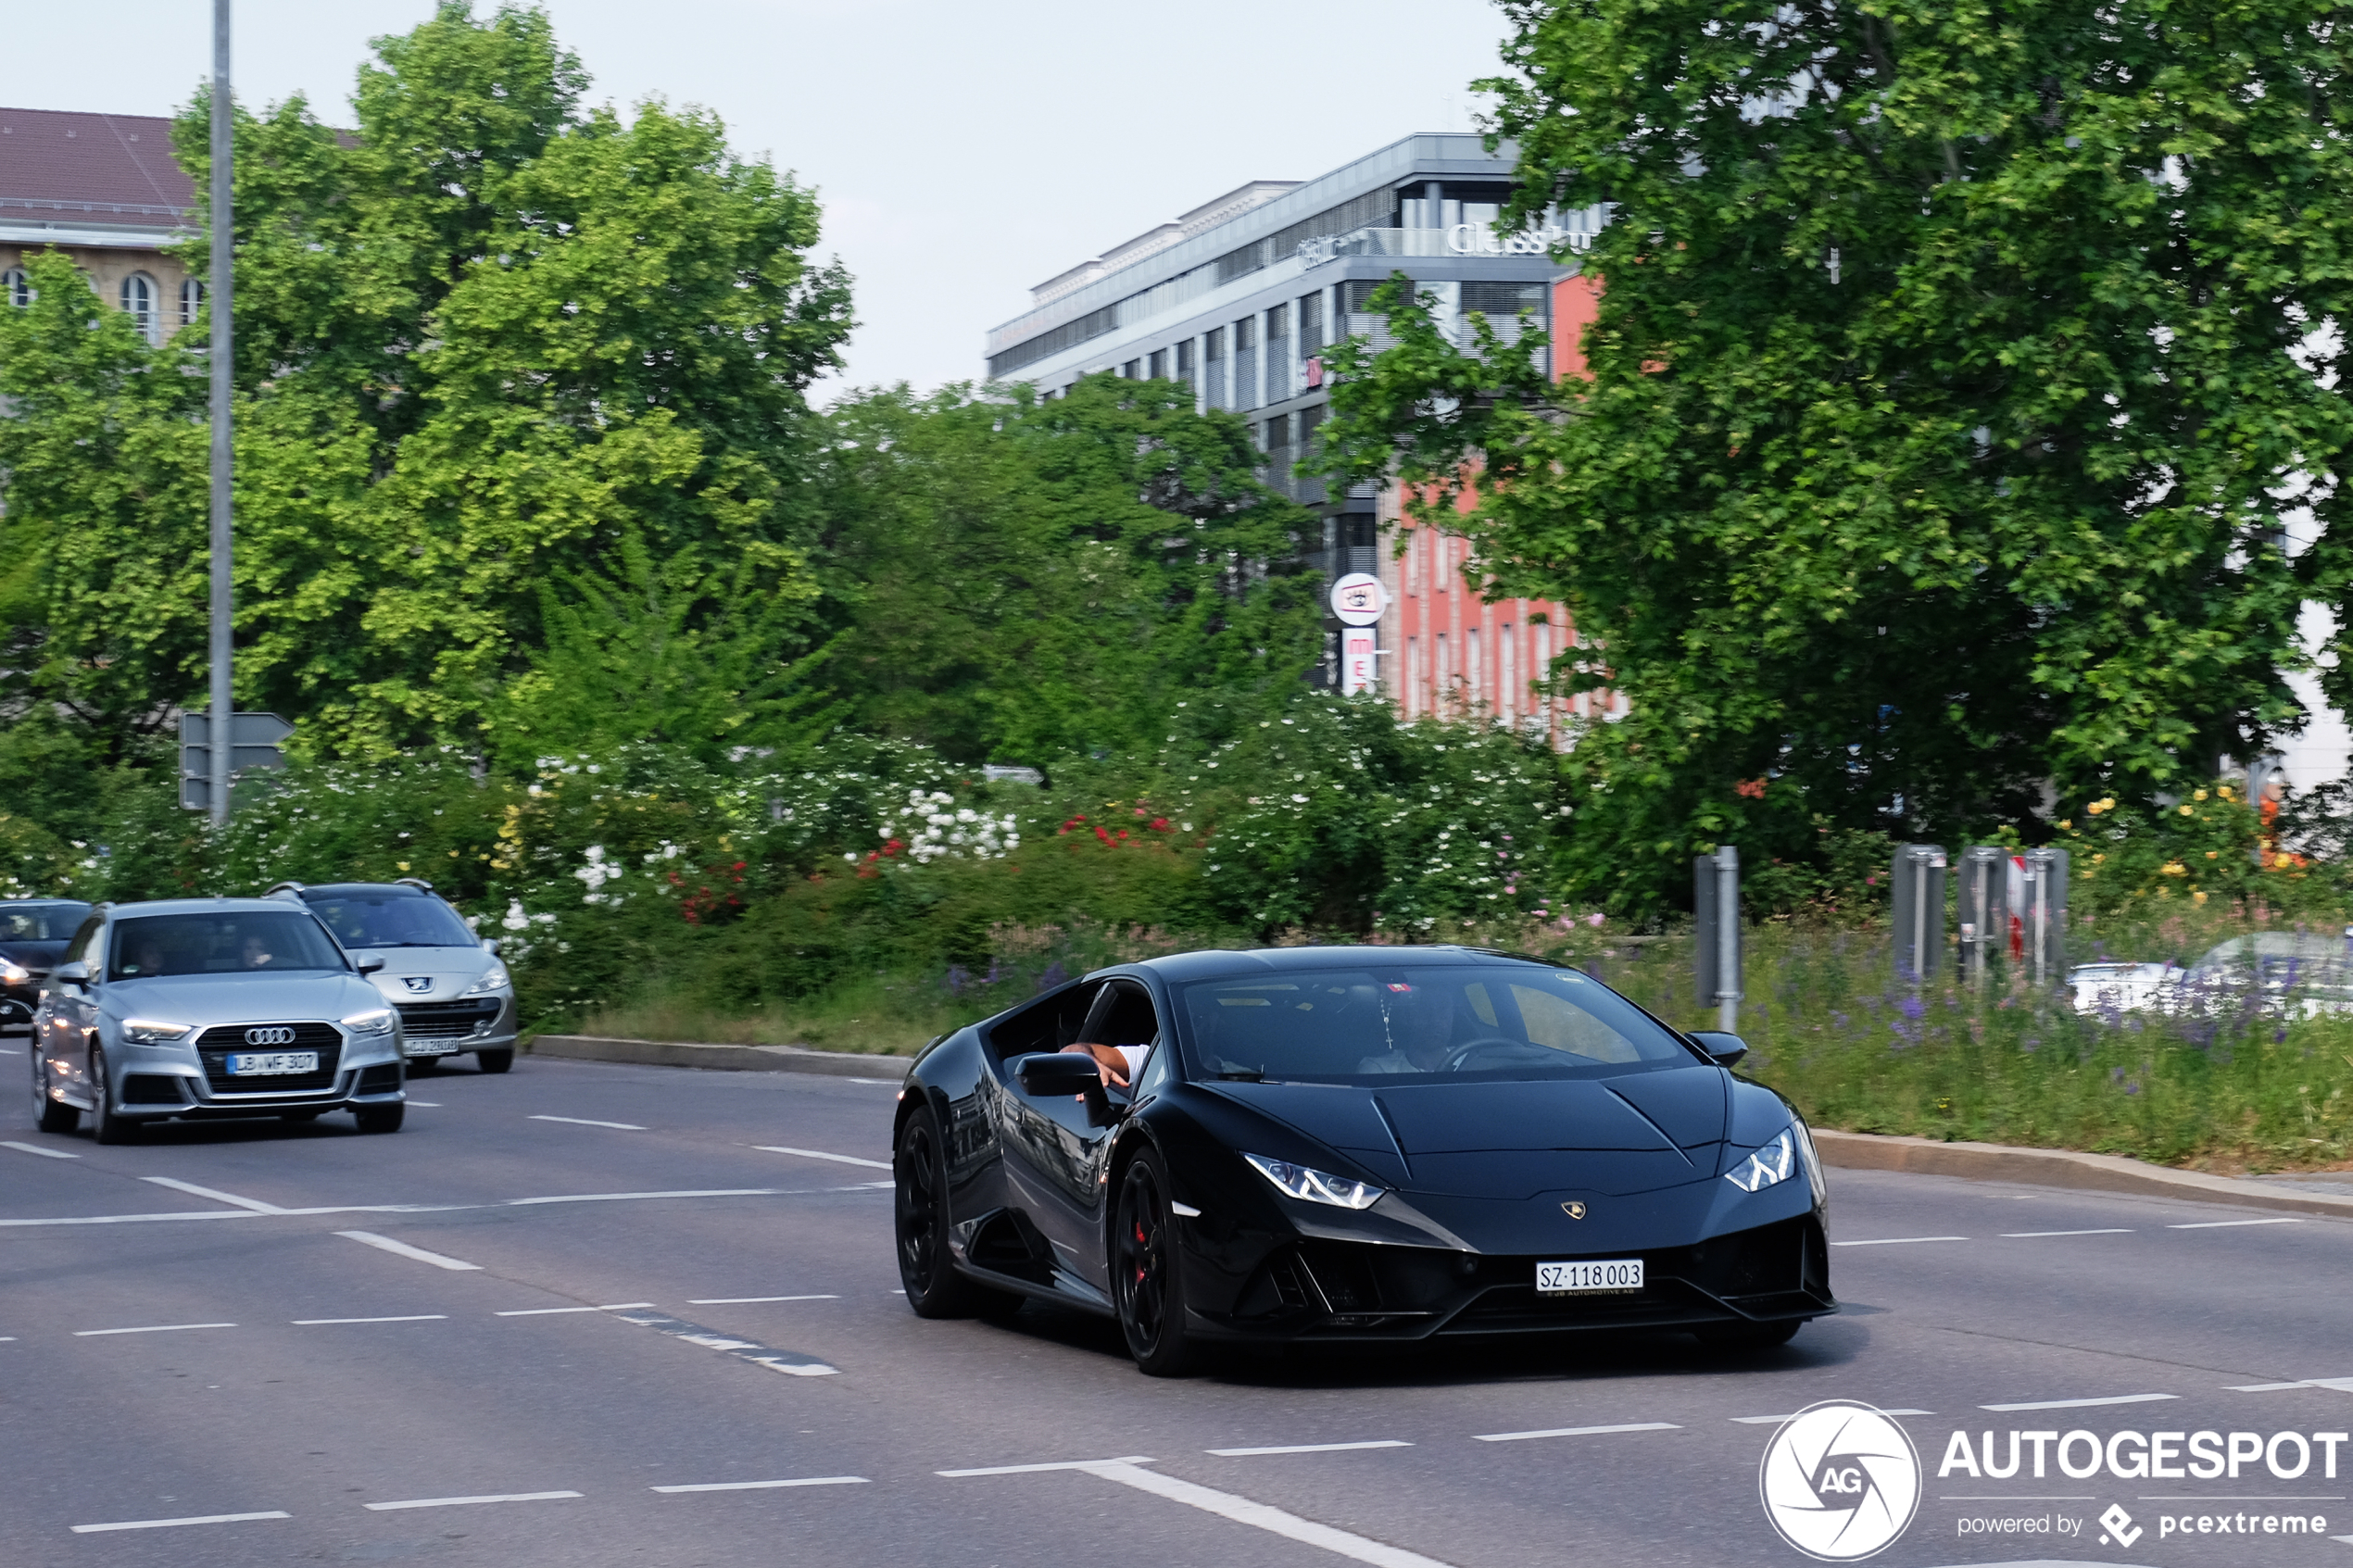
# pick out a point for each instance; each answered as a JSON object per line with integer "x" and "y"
{"x": 447, "y": 1020}
{"x": 150, "y": 1088}
{"x": 215, "y": 1045}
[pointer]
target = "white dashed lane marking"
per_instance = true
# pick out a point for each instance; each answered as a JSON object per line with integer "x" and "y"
{"x": 557, "y": 1312}
{"x": 2027, "y": 1235}
{"x": 36, "y": 1148}
{"x": 253, "y": 1204}
{"x": 635, "y": 1197}
{"x": 821, "y": 1154}
{"x": 748, "y": 1301}
{"x": 464, "y": 1502}
{"x": 150, "y": 1328}
{"x": 2221, "y": 1225}
{"x": 2341, "y": 1384}
{"x": 1308, "y": 1448}
{"x": 420, "y": 1317}
{"x": 1774, "y": 1420}
{"x": 2081, "y": 1404}
{"x": 169, "y": 1523}
{"x": 1897, "y": 1240}
{"x": 790, "y": 1362}
{"x": 1041, "y": 1469}
{"x": 763, "y": 1486}
{"x": 402, "y": 1250}
{"x": 584, "y": 1122}
{"x": 1577, "y": 1432}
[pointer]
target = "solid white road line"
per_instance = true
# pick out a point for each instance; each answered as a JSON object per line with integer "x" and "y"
{"x": 168, "y": 1524}
{"x": 427, "y": 1104}
{"x": 1259, "y": 1515}
{"x": 584, "y": 1122}
{"x": 420, "y": 1317}
{"x": 151, "y": 1328}
{"x": 883, "y": 1082}
{"x": 36, "y": 1148}
{"x": 1771, "y": 1420}
{"x": 401, "y": 1248}
{"x": 821, "y": 1154}
{"x": 2081, "y": 1404}
{"x": 1577, "y": 1432}
{"x": 553, "y": 1311}
{"x": 762, "y": 1485}
{"x": 2024, "y": 1236}
{"x": 2198, "y": 1225}
{"x": 1897, "y": 1240}
{"x": 746, "y": 1300}
{"x": 460, "y": 1502}
{"x": 254, "y": 1204}
{"x": 1040, "y": 1469}
{"x": 2341, "y": 1384}
{"x": 136, "y": 1219}
{"x": 1307, "y": 1449}
{"x": 631, "y": 1196}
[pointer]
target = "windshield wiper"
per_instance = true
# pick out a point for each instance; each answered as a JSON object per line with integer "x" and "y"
{"x": 1243, "y": 1074}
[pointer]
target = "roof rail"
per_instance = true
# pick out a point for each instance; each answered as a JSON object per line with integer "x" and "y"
{"x": 277, "y": 887}
{"x": 414, "y": 882}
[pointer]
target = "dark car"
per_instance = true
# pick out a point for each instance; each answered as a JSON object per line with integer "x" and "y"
{"x": 33, "y": 932}
{"x": 1356, "y": 1144}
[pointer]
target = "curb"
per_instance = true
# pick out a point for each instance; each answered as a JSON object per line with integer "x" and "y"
{"x": 2060, "y": 1168}
{"x": 733, "y": 1059}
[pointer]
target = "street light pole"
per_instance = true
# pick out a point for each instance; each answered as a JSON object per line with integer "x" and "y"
{"x": 223, "y": 724}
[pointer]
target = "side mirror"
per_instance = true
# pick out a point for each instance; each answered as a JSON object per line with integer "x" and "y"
{"x": 368, "y": 963}
{"x": 1045, "y": 1074}
{"x": 74, "y": 973}
{"x": 1725, "y": 1049}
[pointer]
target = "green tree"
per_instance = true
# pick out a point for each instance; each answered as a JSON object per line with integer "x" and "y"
{"x": 1955, "y": 376}
{"x": 1026, "y": 578}
{"x": 481, "y": 338}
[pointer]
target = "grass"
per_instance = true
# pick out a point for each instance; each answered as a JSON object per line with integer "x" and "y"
{"x": 869, "y": 1017}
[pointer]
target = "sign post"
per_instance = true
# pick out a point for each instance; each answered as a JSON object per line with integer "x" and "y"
{"x": 1715, "y": 946}
{"x": 253, "y": 743}
{"x": 1359, "y": 600}
{"x": 216, "y": 794}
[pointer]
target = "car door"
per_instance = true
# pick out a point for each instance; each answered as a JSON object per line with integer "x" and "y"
{"x": 70, "y": 1012}
{"x": 1057, "y": 1162}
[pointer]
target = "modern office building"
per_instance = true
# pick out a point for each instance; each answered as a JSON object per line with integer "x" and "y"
{"x": 1241, "y": 297}
{"x": 104, "y": 189}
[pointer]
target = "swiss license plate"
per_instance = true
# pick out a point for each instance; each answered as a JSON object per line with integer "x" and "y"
{"x": 1610, "y": 1276}
{"x": 256, "y": 1065}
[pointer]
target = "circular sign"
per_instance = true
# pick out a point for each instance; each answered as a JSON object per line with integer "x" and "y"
{"x": 1358, "y": 598}
{"x": 1840, "y": 1481}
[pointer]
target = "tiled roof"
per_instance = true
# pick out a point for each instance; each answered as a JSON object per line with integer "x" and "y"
{"x": 113, "y": 160}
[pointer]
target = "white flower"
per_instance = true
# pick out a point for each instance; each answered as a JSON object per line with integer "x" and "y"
{"x": 851, "y": 858}
{"x": 515, "y": 919}
{"x": 1301, "y": 799}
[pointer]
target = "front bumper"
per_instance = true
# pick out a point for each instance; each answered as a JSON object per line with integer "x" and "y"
{"x": 1319, "y": 1289}
{"x": 448, "y": 1028}
{"x": 163, "y": 1084}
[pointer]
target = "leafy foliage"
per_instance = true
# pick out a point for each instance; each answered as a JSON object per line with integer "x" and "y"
{"x": 1954, "y": 380}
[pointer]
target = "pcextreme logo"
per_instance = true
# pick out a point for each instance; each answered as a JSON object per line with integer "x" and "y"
{"x": 1840, "y": 1481}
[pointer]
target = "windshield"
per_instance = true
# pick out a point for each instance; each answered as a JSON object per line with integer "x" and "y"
{"x": 1381, "y": 1022}
{"x": 2279, "y": 959}
{"x": 41, "y": 923}
{"x": 232, "y": 942}
{"x": 393, "y": 920}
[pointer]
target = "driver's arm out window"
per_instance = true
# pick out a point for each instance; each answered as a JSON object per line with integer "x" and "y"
{"x": 1554, "y": 1021}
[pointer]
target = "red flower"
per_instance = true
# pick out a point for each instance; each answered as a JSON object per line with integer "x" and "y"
{"x": 1160, "y": 824}
{"x": 1101, "y": 834}
{"x": 1753, "y": 789}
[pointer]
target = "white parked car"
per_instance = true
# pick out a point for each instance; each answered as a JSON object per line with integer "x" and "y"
{"x": 2287, "y": 972}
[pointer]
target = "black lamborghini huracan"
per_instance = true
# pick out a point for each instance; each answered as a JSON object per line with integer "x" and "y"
{"x": 1366, "y": 1144}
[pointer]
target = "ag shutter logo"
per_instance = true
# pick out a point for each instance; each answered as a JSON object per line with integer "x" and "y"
{"x": 1840, "y": 1481}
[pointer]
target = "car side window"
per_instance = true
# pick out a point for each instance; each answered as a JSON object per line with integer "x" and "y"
{"x": 1046, "y": 1025}
{"x": 84, "y": 946}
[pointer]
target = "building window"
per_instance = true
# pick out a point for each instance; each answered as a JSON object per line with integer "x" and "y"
{"x": 190, "y": 301}
{"x": 1185, "y": 361}
{"x": 1246, "y": 362}
{"x": 1159, "y": 363}
{"x": 1414, "y": 563}
{"x": 1311, "y": 323}
{"x": 1506, "y": 672}
{"x": 1278, "y": 359}
{"x": 1212, "y": 357}
{"x": 1413, "y": 677}
{"x": 1440, "y": 670}
{"x": 15, "y": 287}
{"x": 139, "y": 304}
{"x": 1472, "y": 673}
{"x": 1133, "y": 369}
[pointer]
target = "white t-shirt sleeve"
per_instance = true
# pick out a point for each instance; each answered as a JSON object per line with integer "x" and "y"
{"x": 1134, "y": 1055}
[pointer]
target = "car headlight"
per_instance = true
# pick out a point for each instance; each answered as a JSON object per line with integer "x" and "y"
{"x": 495, "y": 978}
{"x": 1769, "y": 1166}
{"x": 153, "y": 1032}
{"x": 14, "y": 974}
{"x": 375, "y": 1020}
{"x": 1315, "y": 1187}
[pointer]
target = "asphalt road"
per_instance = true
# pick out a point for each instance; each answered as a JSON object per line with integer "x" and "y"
{"x": 586, "y": 1314}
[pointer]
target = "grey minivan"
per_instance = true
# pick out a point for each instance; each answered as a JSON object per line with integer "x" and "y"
{"x": 451, "y": 992}
{"x": 208, "y": 1007}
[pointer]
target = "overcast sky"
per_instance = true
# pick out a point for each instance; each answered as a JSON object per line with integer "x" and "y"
{"x": 965, "y": 151}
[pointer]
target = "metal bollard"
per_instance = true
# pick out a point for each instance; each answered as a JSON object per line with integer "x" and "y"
{"x": 1918, "y": 886}
{"x": 1716, "y": 898}
{"x": 1984, "y": 906}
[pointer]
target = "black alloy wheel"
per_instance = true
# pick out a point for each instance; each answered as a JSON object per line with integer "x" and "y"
{"x": 1147, "y": 1284}
{"x": 495, "y": 1061}
{"x": 920, "y": 1211}
{"x": 50, "y": 1114}
{"x": 104, "y": 1125}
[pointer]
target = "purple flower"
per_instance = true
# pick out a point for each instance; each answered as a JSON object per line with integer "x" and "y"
{"x": 1910, "y": 1005}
